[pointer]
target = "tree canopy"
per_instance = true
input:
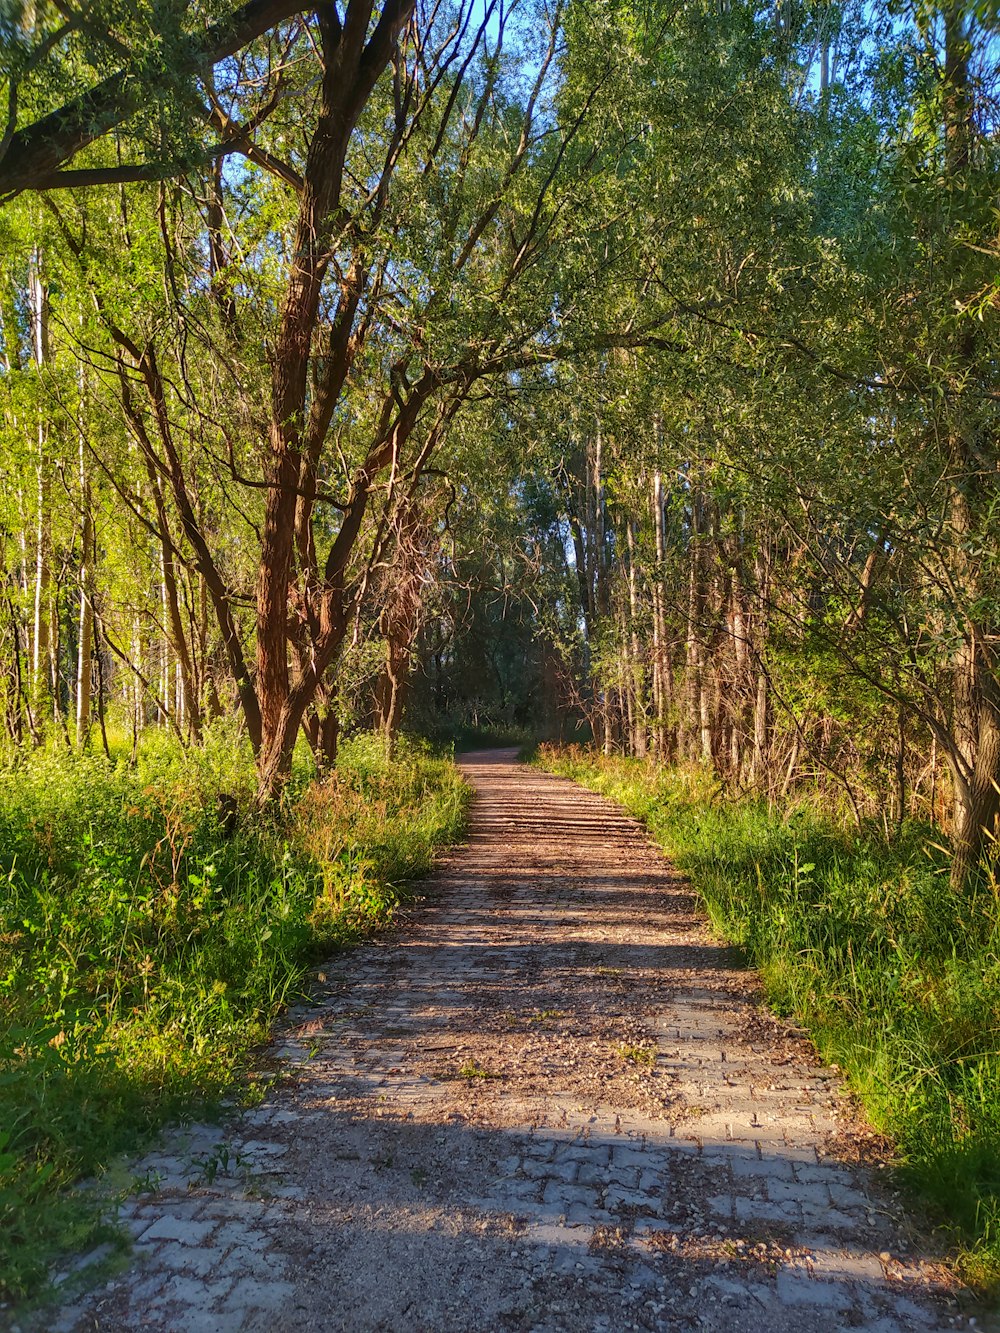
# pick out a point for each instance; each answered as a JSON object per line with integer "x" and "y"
{"x": 603, "y": 366}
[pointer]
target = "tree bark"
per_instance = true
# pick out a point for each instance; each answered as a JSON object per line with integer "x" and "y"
{"x": 661, "y": 684}
{"x": 976, "y": 692}
{"x": 44, "y": 674}
{"x": 85, "y": 645}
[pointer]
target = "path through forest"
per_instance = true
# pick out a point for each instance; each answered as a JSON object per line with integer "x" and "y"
{"x": 548, "y": 1100}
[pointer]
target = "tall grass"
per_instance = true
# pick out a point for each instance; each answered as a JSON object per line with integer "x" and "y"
{"x": 148, "y": 940}
{"x": 897, "y": 978}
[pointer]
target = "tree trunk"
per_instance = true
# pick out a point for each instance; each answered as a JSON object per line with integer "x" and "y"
{"x": 977, "y": 779}
{"x": 758, "y": 762}
{"x": 321, "y": 727}
{"x": 976, "y": 693}
{"x": 637, "y": 673}
{"x": 661, "y": 688}
{"x": 44, "y": 676}
{"x": 352, "y": 66}
{"x": 85, "y": 647}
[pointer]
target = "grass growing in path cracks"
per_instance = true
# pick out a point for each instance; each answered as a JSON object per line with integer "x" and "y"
{"x": 148, "y": 941}
{"x": 896, "y": 978}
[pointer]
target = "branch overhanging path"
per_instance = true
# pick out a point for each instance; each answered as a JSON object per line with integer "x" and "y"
{"x": 32, "y": 156}
{"x": 548, "y": 1100}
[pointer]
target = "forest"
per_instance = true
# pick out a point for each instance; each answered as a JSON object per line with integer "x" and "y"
{"x": 379, "y": 379}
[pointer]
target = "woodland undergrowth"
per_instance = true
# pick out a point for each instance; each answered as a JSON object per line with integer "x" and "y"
{"x": 151, "y": 929}
{"x": 896, "y": 977}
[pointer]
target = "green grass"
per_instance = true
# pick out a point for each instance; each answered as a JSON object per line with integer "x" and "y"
{"x": 896, "y": 977}
{"x": 145, "y": 949}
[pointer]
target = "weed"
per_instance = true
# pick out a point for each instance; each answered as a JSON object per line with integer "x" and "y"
{"x": 472, "y": 1069}
{"x": 147, "y": 1183}
{"x": 222, "y": 1160}
{"x": 544, "y": 1015}
{"x": 637, "y": 1055}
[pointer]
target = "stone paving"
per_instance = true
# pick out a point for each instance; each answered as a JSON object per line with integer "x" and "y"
{"x": 549, "y": 1100}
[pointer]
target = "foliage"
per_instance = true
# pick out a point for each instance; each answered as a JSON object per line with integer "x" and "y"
{"x": 896, "y": 978}
{"x": 595, "y": 368}
{"x": 148, "y": 940}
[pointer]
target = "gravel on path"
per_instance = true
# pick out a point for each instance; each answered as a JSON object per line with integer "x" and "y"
{"x": 549, "y": 1099}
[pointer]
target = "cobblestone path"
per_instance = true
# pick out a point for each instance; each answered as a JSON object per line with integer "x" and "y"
{"x": 547, "y": 1101}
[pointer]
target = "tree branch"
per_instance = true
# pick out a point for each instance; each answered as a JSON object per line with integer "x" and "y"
{"x": 36, "y": 152}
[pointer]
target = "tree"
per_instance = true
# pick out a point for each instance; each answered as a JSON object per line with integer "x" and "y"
{"x": 423, "y": 224}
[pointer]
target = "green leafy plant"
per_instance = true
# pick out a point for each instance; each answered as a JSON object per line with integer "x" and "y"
{"x": 144, "y": 950}
{"x": 637, "y": 1054}
{"x": 473, "y": 1070}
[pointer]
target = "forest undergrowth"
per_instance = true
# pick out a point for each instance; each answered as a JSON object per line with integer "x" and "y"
{"x": 152, "y": 927}
{"x": 896, "y": 977}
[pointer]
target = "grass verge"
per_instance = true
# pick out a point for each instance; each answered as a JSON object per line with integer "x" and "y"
{"x": 896, "y": 977}
{"x": 150, "y": 932}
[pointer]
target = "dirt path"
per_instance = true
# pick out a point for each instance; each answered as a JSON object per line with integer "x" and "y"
{"x": 547, "y": 1101}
